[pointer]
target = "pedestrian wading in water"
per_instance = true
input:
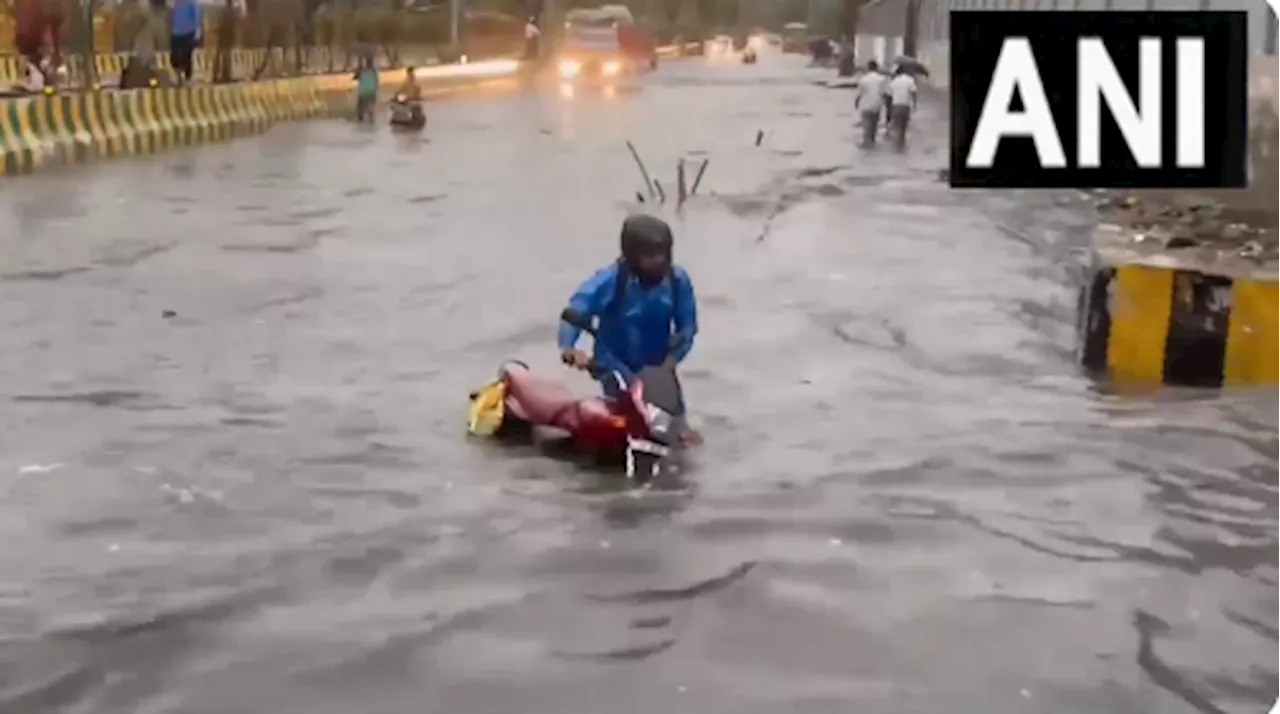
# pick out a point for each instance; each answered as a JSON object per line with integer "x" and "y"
{"x": 366, "y": 78}
{"x": 870, "y": 102}
{"x": 902, "y": 104}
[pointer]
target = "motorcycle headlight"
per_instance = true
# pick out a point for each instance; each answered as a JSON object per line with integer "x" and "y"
{"x": 611, "y": 69}
{"x": 400, "y": 98}
{"x": 570, "y": 68}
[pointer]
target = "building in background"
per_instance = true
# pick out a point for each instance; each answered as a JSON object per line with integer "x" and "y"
{"x": 887, "y": 28}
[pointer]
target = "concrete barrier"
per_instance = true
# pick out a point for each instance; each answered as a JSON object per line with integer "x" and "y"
{"x": 44, "y": 131}
{"x": 56, "y": 130}
{"x": 1189, "y": 317}
{"x": 244, "y": 62}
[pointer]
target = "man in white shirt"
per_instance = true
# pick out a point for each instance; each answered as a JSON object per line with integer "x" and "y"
{"x": 531, "y": 36}
{"x": 870, "y": 102}
{"x": 902, "y": 104}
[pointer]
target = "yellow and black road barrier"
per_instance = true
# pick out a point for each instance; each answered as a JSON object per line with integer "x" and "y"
{"x": 245, "y": 63}
{"x": 1160, "y": 317}
{"x": 49, "y": 130}
{"x": 42, "y": 131}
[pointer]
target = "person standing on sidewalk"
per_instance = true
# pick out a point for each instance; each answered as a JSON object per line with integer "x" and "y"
{"x": 186, "y": 25}
{"x": 870, "y": 102}
{"x": 902, "y": 104}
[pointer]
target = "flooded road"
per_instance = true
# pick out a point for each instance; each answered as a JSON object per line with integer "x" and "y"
{"x": 236, "y": 480}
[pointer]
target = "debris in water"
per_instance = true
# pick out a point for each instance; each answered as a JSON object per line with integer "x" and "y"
{"x": 697, "y": 180}
{"x": 40, "y": 468}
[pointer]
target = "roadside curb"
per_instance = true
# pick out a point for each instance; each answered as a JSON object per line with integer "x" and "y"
{"x": 1175, "y": 317}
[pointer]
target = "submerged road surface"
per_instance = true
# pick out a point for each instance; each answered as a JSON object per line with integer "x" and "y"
{"x": 235, "y": 479}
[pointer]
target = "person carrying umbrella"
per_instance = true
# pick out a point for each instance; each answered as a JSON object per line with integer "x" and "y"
{"x": 902, "y": 104}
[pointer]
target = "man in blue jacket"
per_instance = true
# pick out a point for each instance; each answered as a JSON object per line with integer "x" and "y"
{"x": 640, "y": 300}
{"x": 186, "y": 25}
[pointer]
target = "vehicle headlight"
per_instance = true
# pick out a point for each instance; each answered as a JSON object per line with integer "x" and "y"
{"x": 611, "y": 69}
{"x": 570, "y": 68}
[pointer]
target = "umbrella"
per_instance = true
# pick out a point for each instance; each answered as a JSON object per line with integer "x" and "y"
{"x": 912, "y": 66}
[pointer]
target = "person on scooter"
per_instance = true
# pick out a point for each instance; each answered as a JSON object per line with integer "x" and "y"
{"x": 410, "y": 90}
{"x": 641, "y": 300}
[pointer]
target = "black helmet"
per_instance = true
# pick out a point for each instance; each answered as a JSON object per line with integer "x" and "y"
{"x": 646, "y": 236}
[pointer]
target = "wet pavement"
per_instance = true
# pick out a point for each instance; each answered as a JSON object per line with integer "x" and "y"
{"x": 235, "y": 477}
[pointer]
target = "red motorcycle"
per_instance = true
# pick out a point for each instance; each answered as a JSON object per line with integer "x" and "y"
{"x": 646, "y": 423}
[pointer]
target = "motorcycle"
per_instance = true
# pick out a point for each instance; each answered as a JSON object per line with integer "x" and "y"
{"x": 749, "y": 56}
{"x": 406, "y": 114}
{"x": 646, "y": 422}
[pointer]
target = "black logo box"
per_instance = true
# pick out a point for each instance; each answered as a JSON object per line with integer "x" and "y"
{"x": 976, "y": 41}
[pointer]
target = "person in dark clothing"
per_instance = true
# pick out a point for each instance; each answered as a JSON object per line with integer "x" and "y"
{"x": 642, "y": 300}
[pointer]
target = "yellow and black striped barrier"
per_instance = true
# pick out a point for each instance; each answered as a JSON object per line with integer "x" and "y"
{"x": 51, "y": 130}
{"x": 245, "y": 63}
{"x": 60, "y": 129}
{"x": 1161, "y": 318}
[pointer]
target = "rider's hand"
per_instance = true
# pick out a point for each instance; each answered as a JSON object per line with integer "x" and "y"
{"x": 575, "y": 358}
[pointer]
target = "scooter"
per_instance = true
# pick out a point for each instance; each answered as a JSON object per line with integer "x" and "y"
{"x": 646, "y": 423}
{"x": 406, "y": 114}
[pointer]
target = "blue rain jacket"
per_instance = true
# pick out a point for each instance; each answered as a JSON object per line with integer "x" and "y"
{"x": 636, "y": 331}
{"x": 187, "y": 18}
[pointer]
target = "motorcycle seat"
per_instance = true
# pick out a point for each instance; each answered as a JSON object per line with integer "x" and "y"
{"x": 542, "y": 400}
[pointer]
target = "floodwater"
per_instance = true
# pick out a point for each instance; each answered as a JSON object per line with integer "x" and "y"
{"x": 235, "y": 477}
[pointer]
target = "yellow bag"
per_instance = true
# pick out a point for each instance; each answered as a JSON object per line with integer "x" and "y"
{"x": 488, "y": 406}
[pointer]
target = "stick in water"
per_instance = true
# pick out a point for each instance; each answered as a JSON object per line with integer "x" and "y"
{"x": 682, "y": 188}
{"x": 644, "y": 173}
{"x": 662, "y": 195}
{"x": 759, "y": 137}
{"x": 697, "y": 180}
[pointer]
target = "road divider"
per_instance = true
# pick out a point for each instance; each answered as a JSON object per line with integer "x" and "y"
{"x": 245, "y": 63}
{"x": 44, "y": 131}
{"x": 1185, "y": 317}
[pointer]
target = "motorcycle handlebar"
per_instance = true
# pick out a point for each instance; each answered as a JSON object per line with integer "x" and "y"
{"x": 584, "y": 323}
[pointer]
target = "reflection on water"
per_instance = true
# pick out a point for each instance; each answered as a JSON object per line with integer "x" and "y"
{"x": 236, "y": 478}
